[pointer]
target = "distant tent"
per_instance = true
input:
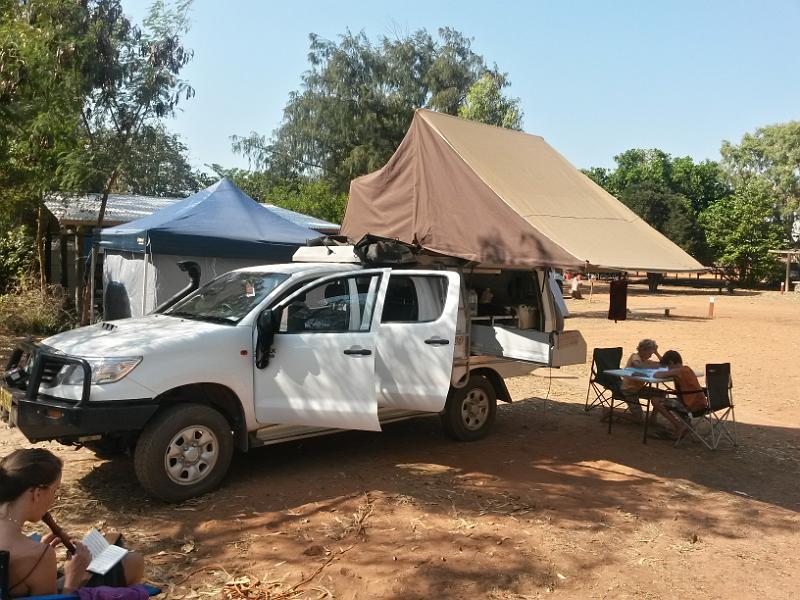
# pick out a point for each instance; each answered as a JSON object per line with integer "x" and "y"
{"x": 221, "y": 228}
{"x": 503, "y": 197}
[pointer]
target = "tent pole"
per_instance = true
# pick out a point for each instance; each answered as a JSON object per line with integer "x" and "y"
{"x": 788, "y": 264}
{"x": 92, "y": 267}
{"x": 144, "y": 279}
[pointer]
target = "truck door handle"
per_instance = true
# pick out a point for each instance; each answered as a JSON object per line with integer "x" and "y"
{"x": 437, "y": 342}
{"x": 358, "y": 351}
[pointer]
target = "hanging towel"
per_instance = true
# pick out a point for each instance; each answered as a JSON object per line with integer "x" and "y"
{"x": 618, "y": 309}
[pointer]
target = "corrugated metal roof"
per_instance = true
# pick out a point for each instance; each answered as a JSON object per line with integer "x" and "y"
{"x": 120, "y": 208}
{"x": 83, "y": 210}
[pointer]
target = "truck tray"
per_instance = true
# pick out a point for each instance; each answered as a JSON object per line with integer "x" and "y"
{"x": 529, "y": 345}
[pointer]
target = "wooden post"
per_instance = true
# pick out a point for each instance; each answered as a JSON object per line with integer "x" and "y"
{"x": 79, "y": 270}
{"x": 92, "y": 269}
{"x": 48, "y": 257}
{"x": 62, "y": 250}
{"x": 788, "y": 263}
{"x": 711, "y": 307}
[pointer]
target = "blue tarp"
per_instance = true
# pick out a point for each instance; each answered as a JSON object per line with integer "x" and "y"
{"x": 220, "y": 221}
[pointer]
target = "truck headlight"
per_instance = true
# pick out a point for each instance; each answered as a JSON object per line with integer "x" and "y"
{"x": 104, "y": 370}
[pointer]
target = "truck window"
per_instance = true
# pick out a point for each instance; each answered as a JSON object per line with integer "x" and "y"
{"x": 414, "y": 299}
{"x": 228, "y": 298}
{"x": 334, "y": 306}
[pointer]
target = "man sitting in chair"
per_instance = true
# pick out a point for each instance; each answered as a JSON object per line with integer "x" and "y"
{"x": 691, "y": 397}
{"x": 633, "y": 389}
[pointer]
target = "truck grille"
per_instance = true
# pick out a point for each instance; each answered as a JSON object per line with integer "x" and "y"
{"x": 49, "y": 372}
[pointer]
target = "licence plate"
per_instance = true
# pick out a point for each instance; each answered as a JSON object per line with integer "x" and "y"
{"x": 6, "y": 400}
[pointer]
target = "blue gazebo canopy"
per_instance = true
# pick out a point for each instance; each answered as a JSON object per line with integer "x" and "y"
{"x": 219, "y": 221}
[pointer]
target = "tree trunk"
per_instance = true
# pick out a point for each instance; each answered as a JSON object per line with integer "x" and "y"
{"x": 40, "y": 227}
{"x": 653, "y": 279}
{"x": 85, "y": 282}
{"x": 112, "y": 179}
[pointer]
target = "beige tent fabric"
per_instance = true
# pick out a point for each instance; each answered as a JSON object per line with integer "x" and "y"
{"x": 498, "y": 196}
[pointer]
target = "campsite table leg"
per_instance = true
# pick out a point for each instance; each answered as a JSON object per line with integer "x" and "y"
{"x": 646, "y": 421}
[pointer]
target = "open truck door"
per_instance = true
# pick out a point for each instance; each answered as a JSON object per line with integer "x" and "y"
{"x": 318, "y": 368}
{"x": 416, "y": 339}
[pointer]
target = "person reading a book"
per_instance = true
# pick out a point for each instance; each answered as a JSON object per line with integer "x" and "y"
{"x": 29, "y": 482}
{"x": 634, "y": 389}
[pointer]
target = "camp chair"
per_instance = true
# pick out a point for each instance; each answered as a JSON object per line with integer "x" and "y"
{"x": 5, "y": 568}
{"x": 605, "y": 387}
{"x": 718, "y": 416}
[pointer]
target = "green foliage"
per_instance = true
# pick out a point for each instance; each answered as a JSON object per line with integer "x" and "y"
{"x": 771, "y": 154}
{"x": 157, "y": 165}
{"x": 600, "y": 176}
{"x": 27, "y": 310}
{"x": 41, "y": 92}
{"x": 314, "y": 198}
{"x": 666, "y": 192}
{"x": 741, "y": 230}
{"x": 133, "y": 81}
{"x": 702, "y": 183}
{"x": 81, "y": 89}
{"x": 17, "y": 256}
{"x": 668, "y": 212}
{"x": 486, "y": 103}
{"x": 357, "y": 101}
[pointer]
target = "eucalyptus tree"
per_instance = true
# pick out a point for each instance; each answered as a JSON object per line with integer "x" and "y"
{"x": 741, "y": 230}
{"x": 157, "y": 164}
{"x": 485, "y": 102}
{"x": 43, "y": 61}
{"x": 668, "y": 192}
{"x": 357, "y": 100}
{"x": 770, "y": 154}
{"x": 78, "y": 83}
{"x": 133, "y": 82}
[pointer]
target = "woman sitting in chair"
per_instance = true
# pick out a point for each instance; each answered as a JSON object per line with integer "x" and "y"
{"x": 633, "y": 389}
{"x": 690, "y": 395}
{"x": 29, "y": 482}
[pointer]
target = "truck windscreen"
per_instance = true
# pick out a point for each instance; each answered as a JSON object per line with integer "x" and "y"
{"x": 228, "y": 298}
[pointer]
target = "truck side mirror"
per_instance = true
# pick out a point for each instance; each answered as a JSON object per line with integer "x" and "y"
{"x": 267, "y": 325}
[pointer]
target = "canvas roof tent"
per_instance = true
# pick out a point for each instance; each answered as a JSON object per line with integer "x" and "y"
{"x": 221, "y": 228}
{"x": 501, "y": 197}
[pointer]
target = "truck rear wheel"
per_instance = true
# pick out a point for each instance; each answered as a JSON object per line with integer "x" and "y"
{"x": 470, "y": 411}
{"x": 183, "y": 452}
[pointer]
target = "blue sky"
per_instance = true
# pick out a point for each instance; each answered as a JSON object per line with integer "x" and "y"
{"x": 595, "y": 78}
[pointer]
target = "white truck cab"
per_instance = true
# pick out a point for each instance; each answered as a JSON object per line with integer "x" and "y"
{"x": 280, "y": 352}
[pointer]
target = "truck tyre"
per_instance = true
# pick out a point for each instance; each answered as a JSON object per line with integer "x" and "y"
{"x": 470, "y": 411}
{"x": 183, "y": 452}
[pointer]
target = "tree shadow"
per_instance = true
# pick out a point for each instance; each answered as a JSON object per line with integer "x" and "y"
{"x": 549, "y": 459}
{"x": 639, "y": 314}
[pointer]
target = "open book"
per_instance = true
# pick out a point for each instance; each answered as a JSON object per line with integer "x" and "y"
{"x": 104, "y": 555}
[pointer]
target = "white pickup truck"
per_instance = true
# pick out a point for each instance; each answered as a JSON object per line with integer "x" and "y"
{"x": 281, "y": 352}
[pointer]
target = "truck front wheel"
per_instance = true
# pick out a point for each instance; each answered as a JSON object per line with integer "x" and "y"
{"x": 183, "y": 452}
{"x": 470, "y": 411}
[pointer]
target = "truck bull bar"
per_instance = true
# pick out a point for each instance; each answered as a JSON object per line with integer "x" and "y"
{"x": 42, "y": 359}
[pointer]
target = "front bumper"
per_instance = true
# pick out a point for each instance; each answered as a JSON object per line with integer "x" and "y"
{"x": 51, "y": 419}
{"x": 41, "y": 417}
